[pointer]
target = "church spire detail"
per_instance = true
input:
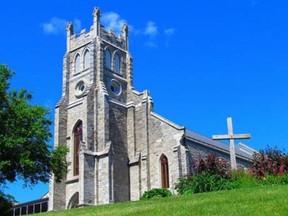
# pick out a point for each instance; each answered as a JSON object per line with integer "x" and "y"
{"x": 124, "y": 33}
{"x": 69, "y": 32}
{"x": 96, "y": 21}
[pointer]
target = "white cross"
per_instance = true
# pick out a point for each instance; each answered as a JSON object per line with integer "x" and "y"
{"x": 231, "y": 137}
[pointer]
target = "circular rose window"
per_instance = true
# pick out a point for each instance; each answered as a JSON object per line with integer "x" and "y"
{"x": 115, "y": 87}
{"x": 80, "y": 88}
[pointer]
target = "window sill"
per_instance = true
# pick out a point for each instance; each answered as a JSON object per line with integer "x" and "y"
{"x": 81, "y": 71}
{"x": 72, "y": 180}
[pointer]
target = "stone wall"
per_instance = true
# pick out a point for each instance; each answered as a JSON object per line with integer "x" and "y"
{"x": 198, "y": 150}
{"x": 72, "y": 187}
{"x": 88, "y": 178}
{"x": 104, "y": 180}
{"x": 118, "y": 137}
{"x": 134, "y": 181}
{"x": 165, "y": 139}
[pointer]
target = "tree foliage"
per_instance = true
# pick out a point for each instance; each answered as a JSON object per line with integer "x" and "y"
{"x": 6, "y": 204}
{"x": 24, "y": 135}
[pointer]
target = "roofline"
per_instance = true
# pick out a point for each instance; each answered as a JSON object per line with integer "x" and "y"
{"x": 167, "y": 121}
{"x": 31, "y": 202}
{"x": 214, "y": 144}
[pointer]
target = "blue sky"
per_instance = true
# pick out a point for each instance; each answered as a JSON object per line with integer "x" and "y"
{"x": 202, "y": 60}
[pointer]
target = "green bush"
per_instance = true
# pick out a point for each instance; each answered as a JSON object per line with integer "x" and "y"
{"x": 183, "y": 184}
{"x": 204, "y": 182}
{"x": 274, "y": 180}
{"x": 211, "y": 174}
{"x": 156, "y": 193}
{"x": 242, "y": 180}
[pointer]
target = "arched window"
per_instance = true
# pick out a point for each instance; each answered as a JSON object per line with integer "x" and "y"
{"x": 86, "y": 60}
{"x": 77, "y": 140}
{"x": 164, "y": 171}
{"x": 77, "y": 63}
{"x": 117, "y": 63}
{"x": 107, "y": 58}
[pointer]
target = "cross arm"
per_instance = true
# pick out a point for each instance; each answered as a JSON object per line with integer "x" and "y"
{"x": 228, "y": 137}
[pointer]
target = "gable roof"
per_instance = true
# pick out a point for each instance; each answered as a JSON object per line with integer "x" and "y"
{"x": 200, "y": 139}
{"x": 244, "y": 148}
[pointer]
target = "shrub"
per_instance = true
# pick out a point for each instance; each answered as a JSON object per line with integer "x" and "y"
{"x": 244, "y": 180}
{"x": 156, "y": 193}
{"x": 213, "y": 165}
{"x": 204, "y": 182}
{"x": 211, "y": 174}
{"x": 271, "y": 161}
{"x": 274, "y": 180}
{"x": 183, "y": 184}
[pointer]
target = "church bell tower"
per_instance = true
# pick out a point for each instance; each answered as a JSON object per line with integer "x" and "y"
{"x": 91, "y": 118}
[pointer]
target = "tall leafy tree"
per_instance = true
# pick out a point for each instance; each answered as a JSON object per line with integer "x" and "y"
{"x": 24, "y": 135}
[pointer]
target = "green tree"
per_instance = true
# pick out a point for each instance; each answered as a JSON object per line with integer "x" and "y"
{"x": 24, "y": 135}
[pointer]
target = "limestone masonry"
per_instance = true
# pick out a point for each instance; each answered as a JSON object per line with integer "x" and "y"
{"x": 119, "y": 147}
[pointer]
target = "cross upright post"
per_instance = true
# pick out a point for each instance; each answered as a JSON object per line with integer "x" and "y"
{"x": 231, "y": 137}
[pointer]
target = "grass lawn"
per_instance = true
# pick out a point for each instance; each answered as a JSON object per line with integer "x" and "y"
{"x": 268, "y": 200}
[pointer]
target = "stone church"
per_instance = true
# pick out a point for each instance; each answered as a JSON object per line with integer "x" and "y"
{"x": 119, "y": 147}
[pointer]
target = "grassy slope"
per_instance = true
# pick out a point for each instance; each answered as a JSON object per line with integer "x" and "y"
{"x": 270, "y": 200}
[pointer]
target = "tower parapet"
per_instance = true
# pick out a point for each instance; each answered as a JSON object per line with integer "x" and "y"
{"x": 97, "y": 31}
{"x": 117, "y": 40}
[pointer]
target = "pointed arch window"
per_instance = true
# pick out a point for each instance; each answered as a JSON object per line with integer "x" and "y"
{"x": 164, "y": 171}
{"x": 86, "y": 60}
{"x": 77, "y": 63}
{"x": 77, "y": 139}
{"x": 107, "y": 58}
{"x": 117, "y": 63}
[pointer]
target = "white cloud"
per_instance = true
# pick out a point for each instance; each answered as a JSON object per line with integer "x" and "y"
{"x": 151, "y": 29}
{"x": 54, "y": 26}
{"x": 151, "y": 44}
{"x": 57, "y": 25}
{"x": 169, "y": 31}
{"x": 112, "y": 20}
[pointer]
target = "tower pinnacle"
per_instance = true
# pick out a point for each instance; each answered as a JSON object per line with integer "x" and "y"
{"x": 96, "y": 21}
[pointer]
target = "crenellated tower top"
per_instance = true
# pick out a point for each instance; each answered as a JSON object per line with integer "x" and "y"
{"x": 97, "y": 31}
